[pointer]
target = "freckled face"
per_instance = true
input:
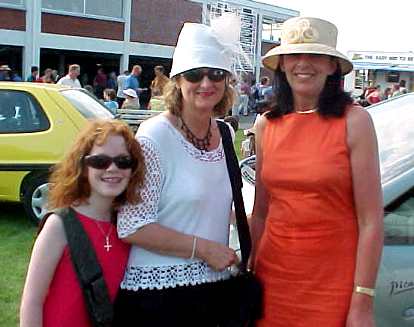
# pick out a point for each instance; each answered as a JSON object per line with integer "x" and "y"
{"x": 112, "y": 181}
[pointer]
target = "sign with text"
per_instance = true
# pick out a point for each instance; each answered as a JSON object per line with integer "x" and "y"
{"x": 388, "y": 58}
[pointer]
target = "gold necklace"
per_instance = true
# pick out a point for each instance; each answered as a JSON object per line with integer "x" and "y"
{"x": 307, "y": 111}
{"x": 107, "y": 245}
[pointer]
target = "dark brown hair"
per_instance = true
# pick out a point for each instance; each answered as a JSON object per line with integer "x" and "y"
{"x": 332, "y": 101}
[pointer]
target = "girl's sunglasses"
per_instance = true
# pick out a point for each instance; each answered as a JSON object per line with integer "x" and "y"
{"x": 196, "y": 75}
{"x": 102, "y": 161}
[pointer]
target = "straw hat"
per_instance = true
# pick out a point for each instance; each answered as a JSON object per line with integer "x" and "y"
{"x": 307, "y": 35}
{"x": 130, "y": 92}
{"x": 215, "y": 46}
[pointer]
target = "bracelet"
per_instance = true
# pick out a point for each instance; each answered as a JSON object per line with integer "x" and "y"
{"x": 194, "y": 247}
{"x": 365, "y": 290}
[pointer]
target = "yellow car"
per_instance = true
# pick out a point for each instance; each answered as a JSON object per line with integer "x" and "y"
{"x": 38, "y": 122}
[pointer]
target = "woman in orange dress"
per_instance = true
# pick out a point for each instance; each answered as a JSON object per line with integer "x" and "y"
{"x": 317, "y": 220}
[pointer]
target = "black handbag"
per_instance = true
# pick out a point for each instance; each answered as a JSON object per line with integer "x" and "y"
{"x": 246, "y": 290}
{"x": 88, "y": 270}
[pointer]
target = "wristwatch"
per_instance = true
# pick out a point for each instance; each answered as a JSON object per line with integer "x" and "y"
{"x": 365, "y": 290}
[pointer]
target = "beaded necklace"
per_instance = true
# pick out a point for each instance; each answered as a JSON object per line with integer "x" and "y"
{"x": 200, "y": 143}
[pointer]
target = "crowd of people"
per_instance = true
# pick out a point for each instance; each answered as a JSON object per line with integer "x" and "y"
{"x": 113, "y": 90}
{"x": 316, "y": 228}
{"x": 375, "y": 94}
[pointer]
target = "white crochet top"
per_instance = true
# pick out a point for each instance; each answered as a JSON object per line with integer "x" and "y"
{"x": 184, "y": 189}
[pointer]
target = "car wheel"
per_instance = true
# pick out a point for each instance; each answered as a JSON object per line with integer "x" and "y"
{"x": 35, "y": 198}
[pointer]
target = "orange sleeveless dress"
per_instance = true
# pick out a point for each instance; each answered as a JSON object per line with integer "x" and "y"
{"x": 306, "y": 257}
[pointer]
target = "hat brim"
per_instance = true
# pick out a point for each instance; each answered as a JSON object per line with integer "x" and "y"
{"x": 271, "y": 58}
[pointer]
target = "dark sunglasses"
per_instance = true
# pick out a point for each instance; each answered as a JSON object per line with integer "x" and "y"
{"x": 102, "y": 161}
{"x": 196, "y": 75}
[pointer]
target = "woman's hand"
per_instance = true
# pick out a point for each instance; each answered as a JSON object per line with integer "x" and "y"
{"x": 218, "y": 256}
{"x": 361, "y": 311}
{"x": 360, "y": 318}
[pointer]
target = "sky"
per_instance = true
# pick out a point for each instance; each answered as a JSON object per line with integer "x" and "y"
{"x": 379, "y": 25}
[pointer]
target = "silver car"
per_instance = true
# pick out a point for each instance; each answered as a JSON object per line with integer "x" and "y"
{"x": 394, "y": 124}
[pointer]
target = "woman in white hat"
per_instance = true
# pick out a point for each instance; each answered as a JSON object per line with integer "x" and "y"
{"x": 317, "y": 219}
{"x": 131, "y": 99}
{"x": 180, "y": 256}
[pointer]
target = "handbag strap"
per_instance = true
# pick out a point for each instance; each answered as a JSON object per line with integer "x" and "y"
{"x": 236, "y": 186}
{"x": 87, "y": 267}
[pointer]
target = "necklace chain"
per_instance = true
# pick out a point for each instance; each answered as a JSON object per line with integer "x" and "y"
{"x": 107, "y": 245}
{"x": 200, "y": 143}
{"x": 307, "y": 111}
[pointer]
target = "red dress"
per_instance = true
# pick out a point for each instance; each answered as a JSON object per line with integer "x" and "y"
{"x": 64, "y": 305}
{"x": 306, "y": 257}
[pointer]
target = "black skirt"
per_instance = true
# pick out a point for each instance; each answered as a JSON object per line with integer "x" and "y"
{"x": 204, "y": 305}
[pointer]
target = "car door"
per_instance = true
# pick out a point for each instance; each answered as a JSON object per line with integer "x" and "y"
{"x": 37, "y": 140}
{"x": 394, "y": 303}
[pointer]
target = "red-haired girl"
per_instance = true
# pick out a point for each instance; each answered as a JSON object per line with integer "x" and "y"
{"x": 102, "y": 170}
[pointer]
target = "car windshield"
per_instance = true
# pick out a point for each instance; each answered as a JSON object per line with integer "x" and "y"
{"x": 394, "y": 121}
{"x": 87, "y": 105}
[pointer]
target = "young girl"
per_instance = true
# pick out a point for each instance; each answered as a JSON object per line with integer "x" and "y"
{"x": 102, "y": 170}
{"x": 109, "y": 100}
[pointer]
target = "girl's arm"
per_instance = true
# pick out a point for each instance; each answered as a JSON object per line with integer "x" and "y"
{"x": 261, "y": 197}
{"x": 366, "y": 178}
{"x": 46, "y": 254}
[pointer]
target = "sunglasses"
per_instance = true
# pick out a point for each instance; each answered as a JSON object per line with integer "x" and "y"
{"x": 196, "y": 75}
{"x": 102, "y": 161}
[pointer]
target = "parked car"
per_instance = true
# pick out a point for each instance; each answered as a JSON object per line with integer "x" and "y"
{"x": 394, "y": 124}
{"x": 38, "y": 122}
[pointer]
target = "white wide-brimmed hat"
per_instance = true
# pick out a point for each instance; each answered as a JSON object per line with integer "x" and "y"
{"x": 307, "y": 35}
{"x": 214, "y": 46}
{"x": 130, "y": 92}
{"x": 5, "y": 68}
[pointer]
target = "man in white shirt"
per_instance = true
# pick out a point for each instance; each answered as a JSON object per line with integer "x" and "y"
{"x": 120, "y": 97}
{"x": 71, "y": 79}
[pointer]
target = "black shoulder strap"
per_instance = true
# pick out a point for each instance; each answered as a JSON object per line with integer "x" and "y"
{"x": 88, "y": 269}
{"x": 236, "y": 185}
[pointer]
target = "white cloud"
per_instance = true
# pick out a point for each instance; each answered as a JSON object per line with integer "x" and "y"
{"x": 363, "y": 25}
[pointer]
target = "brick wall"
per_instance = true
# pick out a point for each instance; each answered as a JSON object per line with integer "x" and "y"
{"x": 266, "y": 46}
{"x": 12, "y": 19}
{"x": 160, "y": 21}
{"x": 80, "y": 26}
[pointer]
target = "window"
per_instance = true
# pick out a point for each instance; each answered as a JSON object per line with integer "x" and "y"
{"x": 360, "y": 78}
{"x": 107, "y": 8}
{"x": 110, "y": 8}
{"x": 21, "y": 113}
{"x": 393, "y": 77}
{"x": 11, "y": 2}
{"x": 399, "y": 221}
{"x": 271, "y": 29}
{"x": 73, "y": 6}
{"x": 87, "y": 105}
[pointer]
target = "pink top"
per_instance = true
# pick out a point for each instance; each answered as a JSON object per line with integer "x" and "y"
{"x": 64, "y": 305}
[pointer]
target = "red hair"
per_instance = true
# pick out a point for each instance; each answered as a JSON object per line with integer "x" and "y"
{"x": 69, "y": 183}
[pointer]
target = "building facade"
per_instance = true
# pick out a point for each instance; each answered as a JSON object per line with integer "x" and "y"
{"x": 380, "y": 68}
{"x": 115, "y": 34}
